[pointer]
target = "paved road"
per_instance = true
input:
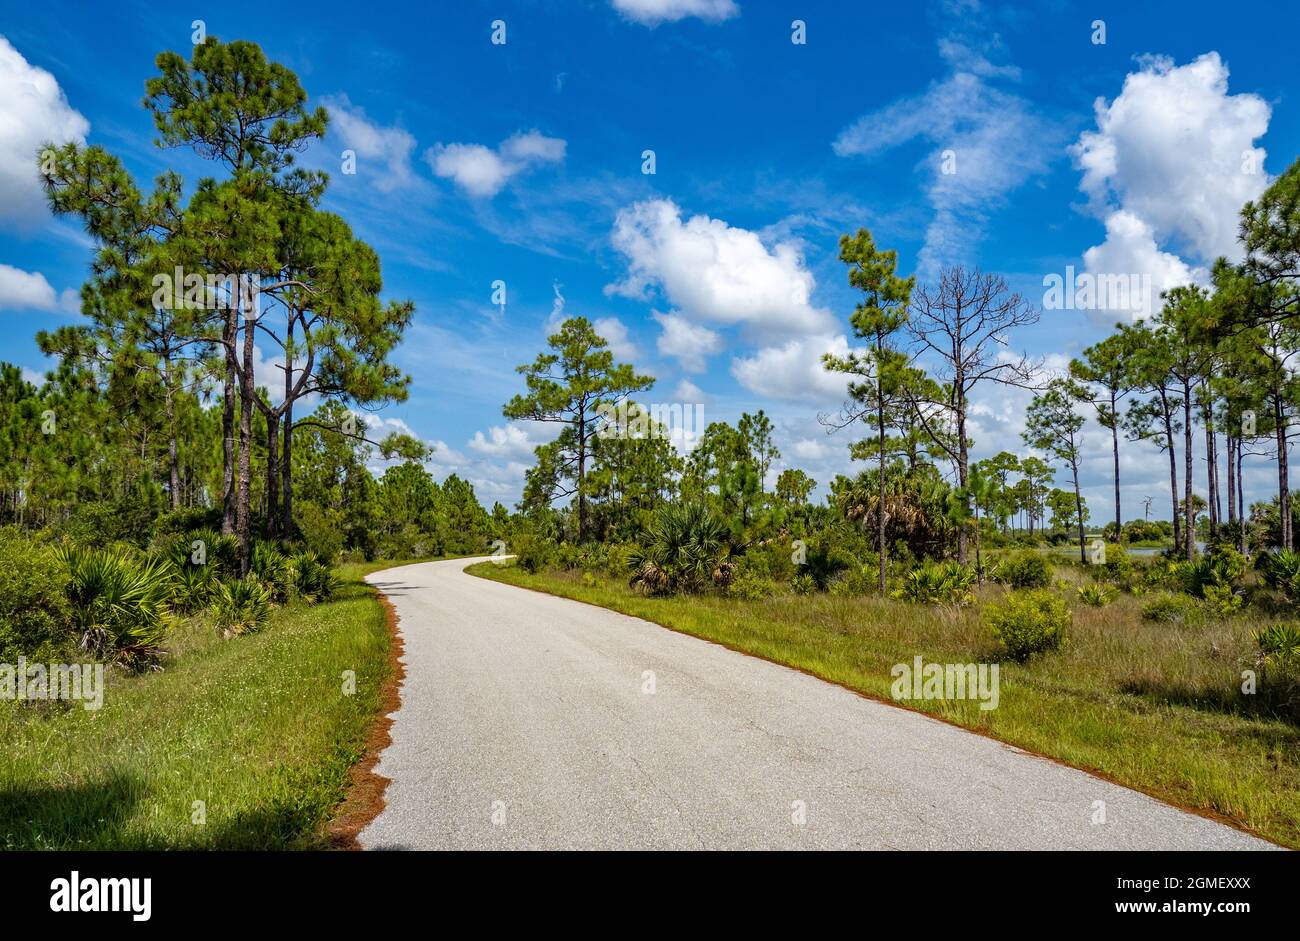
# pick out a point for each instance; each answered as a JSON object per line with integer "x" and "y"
{"x": 524, "y": 725}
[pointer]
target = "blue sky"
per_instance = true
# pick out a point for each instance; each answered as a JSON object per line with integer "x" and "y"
{"x": 718, "y": 274}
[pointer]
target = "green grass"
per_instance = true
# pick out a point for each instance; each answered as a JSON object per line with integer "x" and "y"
{"x": 1151, "y": 706}
{"x": 257, "y": 728}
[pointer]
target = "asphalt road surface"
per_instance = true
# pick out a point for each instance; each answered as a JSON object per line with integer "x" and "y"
{"x": 527, "y": 723}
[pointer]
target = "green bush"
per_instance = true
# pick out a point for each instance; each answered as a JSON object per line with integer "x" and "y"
{"x": 310, "y": 579}
{"x": 858, "y": 580}
{"x": 1024, "y": 570}
{"x": 241, "y": 606}
{"x": 1098, "y": 596}
{"x": 684, "y": 550}
{"x": 119, "y": 603}
{"x": 937, "y": 583}
{"x": 1029, "y": 622}
{"x": 33, "y": 603}
{"x": 803, "y": 584}
{"x": 1169, "y": 608}
{"x": 532, "y": 553}
{"x": 1281, "y": 570}
{"x": 751, "y": 586}
{"x": 1279, "y": 655}
{"x": 270, "y": 567}
{"x": 1222, "y": 568}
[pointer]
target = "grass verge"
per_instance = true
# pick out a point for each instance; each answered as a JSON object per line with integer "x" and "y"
{"x": 1151, "y": 706}
{"x": 258, "y": 729}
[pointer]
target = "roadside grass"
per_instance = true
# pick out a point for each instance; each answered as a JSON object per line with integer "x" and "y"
{"x": 1151, "y": 706}
{"x": 257, "y": 727}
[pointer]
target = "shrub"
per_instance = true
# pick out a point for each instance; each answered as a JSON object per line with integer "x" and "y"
{"x": 684, "y": 551}
{"x": 1029, "y": 622}
{"x": 1281, "y": 570}
{"x": 1169, "y": 608}
{"x": 1279, "y": 655}
{"x": 1117, "y": 568}
{"x": 192, "y": 586}
{"x": 1279, "y": 645}
{"x": 533, "y": 553}
{"x": 119, "y": 603}
{"x": 270, "y": 567}
{"x": 1221, "y": 568}
{"x": 803, "y": 584}
{"x": 310, "y": 579}
{"x": 857, "y": 580}
{"x": 1024, "y": 570}
{"x": 751, "y": 586}
{"x": 33, "y": 602}
{"x": 214, "y": 549}
{"x": 822, "y": 563}
{"x": 322, "y": 530}
{"x": 937, "y": 583}
{"x": 241, "y": 606}
{"x": 1098, "y": 596}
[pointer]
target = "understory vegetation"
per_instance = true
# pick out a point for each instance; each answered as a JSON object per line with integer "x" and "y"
{"x": 243, "y": 744}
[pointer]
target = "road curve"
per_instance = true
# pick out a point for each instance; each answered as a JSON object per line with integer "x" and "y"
{"x": 525, "y": 724}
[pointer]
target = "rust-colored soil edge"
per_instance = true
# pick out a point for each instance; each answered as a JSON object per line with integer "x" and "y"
{"x": 1170, "y": 800}
{"x": 365, "y": 793}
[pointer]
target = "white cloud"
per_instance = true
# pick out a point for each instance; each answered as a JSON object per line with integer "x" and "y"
{"x": 35, "y": 378}
{"x": 482, "y": 171}
{"x": 29, "y": 290}
{"x": 33, "y": 112}
{"x": 503, "y": 441}
{"x": 1177, "y": 151}
{"x": 711, "y": 271}
{"x": 794, "y": 372}
{"x": 654, "y": 12}
{"x": 390, "y": 147}
{"x": 688, "y": 391}
{"x": 810, "y": 449}
{"x": 690, "y": 344}
{"x": 1130, "y": 249}
{"x": 987, "y": 142}
{"x": 615, "y": 334}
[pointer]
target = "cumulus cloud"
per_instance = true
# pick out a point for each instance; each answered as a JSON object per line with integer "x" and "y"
{"x": 654, "y": 12}
{"x": 388, "y": 148}
{"x": 713, "y": 272}
{"x": 1130, "y": 249}
{"x": 986, "y": 141}
{"x": 30, "y": 291}
{"x": 615, "y": 334}
{"x": 794, "y": 372}
{"x": 688, "y": 343}
{"x": 482, "y": 172}
{"x": 687, "y": 391}
{"x": 1177, "y": 151}
{"x": 33, "y": 112}
{"x": 503, "y": 441}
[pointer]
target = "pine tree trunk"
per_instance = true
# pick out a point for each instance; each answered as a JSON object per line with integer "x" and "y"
{"x": 880, "y": 501}
{"x": 1283, "y": 473}
{"x": 273, "y": 474}
{"x": 1189, "y": 511}
{"x": 229, "y": 333}
{"x": 1173, "y": 465}
{"x": 286, "y": 476}
{"x": 1114, "y": 446}
{"x": 243, "y": 508}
